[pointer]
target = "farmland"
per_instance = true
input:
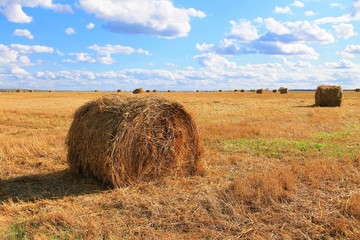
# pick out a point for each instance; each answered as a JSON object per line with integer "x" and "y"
{"x": 277, "y": 168}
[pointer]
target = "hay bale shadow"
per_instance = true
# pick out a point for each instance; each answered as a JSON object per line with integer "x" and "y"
{"x": 52, "y": 186}
{"x": 305, "y": 106}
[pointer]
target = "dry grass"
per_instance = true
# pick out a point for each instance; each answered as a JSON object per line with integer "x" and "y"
{"x": 277, "y": 168}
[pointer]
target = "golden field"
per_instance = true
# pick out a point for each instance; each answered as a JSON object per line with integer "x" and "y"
{"x": 277, "y": 168}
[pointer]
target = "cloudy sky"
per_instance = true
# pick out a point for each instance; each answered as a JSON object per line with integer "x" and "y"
{"x": 178, "y": 45}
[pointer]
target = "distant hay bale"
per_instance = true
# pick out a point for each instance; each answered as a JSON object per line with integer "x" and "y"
{"x": 138, "y": 91}
{"x": 169, "y": 90}
{"x": 220, "y": 90}
{"x": 147, "y": 91}
{"x": 242, "y": 90}
{"x": 357, "y": 90}
{"x": 51, "y": 91}
{"x": 260, "y": 91}
{"x": 121, "y": 140}
{"x": 274, "y": 91}
{"x": 119, "y": 91}
{"x": 96, "y": 90}
{"x": 154, "y": 90}
{"x": 19, "y": 90}
{"x": 197, "y": 90}
{"x": 31, "y": 90}
{"x": 283, "y": 90}
{"x": 235, "y": 90}
{"x": 328, "y": 96}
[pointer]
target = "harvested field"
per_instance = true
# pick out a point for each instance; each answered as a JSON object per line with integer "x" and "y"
{"x": 277, "y": 168}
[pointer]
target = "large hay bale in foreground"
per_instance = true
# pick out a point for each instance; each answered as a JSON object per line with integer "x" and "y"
{"x": 122, "y": 140}
{"x": 328, "y": 96}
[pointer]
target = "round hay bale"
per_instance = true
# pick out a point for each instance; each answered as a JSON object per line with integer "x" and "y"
{"x": 147, "y": 91}
{"x": 260, "y": 91}
{"x": 31, "y": 90}
{"x": 154, "y": 90}
{"x": 138, "y": 91}
{"x": 122, "y": 140}
{"x": 19, "y": 90}
{"x": 328, "y": 96}
{"x": 220, "y": 90}
{"x": 235, "y": 90}
{"x": 283, "y": 90}
{"x": 274, "y": 91}
{"x": 197, "y": 90}
{"x": 96, "y": 90}
{"x": 169, "y": 90}
{"x": 242, "y": 90}
{"x": 119, "y": 91}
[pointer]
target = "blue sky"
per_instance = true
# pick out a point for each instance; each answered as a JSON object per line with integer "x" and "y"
{"x": 178, "y": 45}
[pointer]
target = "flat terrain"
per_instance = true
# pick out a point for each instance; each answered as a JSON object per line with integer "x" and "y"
{"x": 277, "y": 168}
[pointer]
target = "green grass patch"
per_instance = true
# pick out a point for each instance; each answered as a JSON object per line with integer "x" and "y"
{"x": 16, "y": 231}
{"x": 279, "y": 148}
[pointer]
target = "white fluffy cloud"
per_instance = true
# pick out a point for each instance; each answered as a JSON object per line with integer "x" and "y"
{"x": 23, "y": 33}
{"x": 352, "y": 15}
{"x": 243, "y": 30}
{"x": 298, "y": 4}
{"x": 344, "y": 30}
{"x": 288, "y": 39}
{"x": 299, "y": 31}
{"x": 70, "y": 31}
{"x": 287, "y": 49}
{"x": 30, "y": 49}
{"x": 90, "y": 26}
{"x": 112, "y": 49}
{"x": 309, "y": 13}
{"x": 15, "y": 56}
{"x": 104, "y": 54}
{"x": 287, "y": 9}
{"x": 283, "y": 10}
{"x": 159, "y": 18}
{"x": 342, "y": 64}
{"x": 350, "y": 51}
{"x": 83, "y": 57}
{"x": 214, "y": 61}
{"x": 13, "y": 10}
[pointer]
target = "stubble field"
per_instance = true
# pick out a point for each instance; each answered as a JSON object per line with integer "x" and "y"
{"x": 277, "y": 168}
